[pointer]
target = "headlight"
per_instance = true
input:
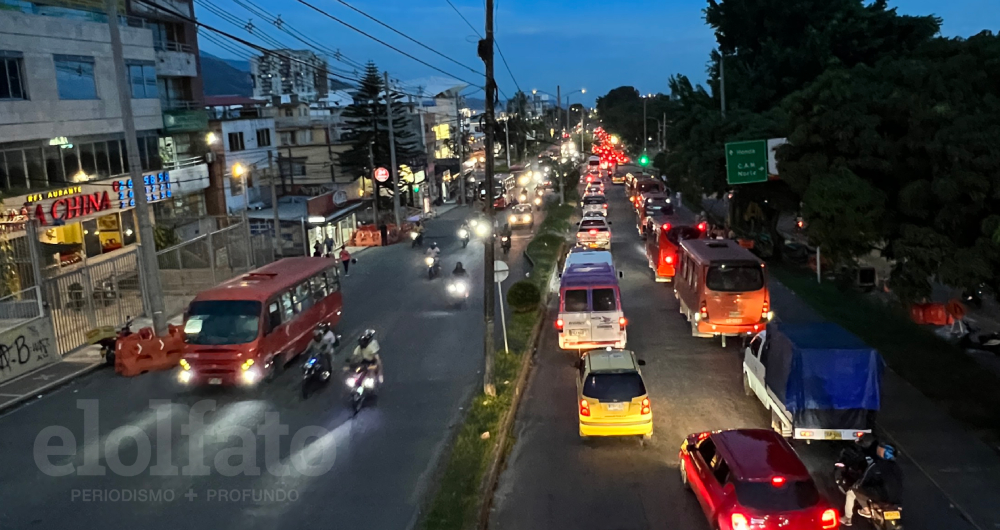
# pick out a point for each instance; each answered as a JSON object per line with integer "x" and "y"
{"x": 413, "y": 235}
{"x": 474, "y": 223}
{"x": 463, "y": 233}
{"x": 251, "y": 376}
{"x": 369, "y": 382}
{"x": 452, "y": 287}
{"x": 538, "y": 200}
{"x": 185, "y": 365}
{"x": 513, "y": 218}
{"x": 527, "y": 218}
{"x": 429, "y": 261}
{"x": 185, "y": 376}
{"x": 482, "y": 230}
{"x": 247, "y": 364}
{"x": 351, "y": 381}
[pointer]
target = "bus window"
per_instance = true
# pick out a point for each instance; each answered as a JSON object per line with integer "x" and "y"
{"x": 738, "y": 278}
{"x": 273, "y": 316}
{"x": 333, "y": 280}
{"x": 318, "y": 287}
{"x": 604, "y": 300}
{"x": 287, "y": 308}
{"x": 303, "y": 297}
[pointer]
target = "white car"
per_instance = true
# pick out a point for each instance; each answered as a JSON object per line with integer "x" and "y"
{"x": 595, "y": 203}
{"x": 594, "y": 233}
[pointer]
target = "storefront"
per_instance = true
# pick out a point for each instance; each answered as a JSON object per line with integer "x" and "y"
{"x": 84, "y": 221}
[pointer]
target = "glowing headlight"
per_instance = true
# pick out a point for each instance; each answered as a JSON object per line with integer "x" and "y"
{"x": 523, "y": 198}
{"x": 246, "y": 365}
{"x": 369, "y": 382}
{"x": 474, "y": 223}
{"x": 251, "y": 376}
{"x": 413, "y": 235}
{"x": 527, "y": 218}
{"x": 538, "y": 200}
{"x": 482, "y": 230}
{"x": 351, "y": 381}
{"x": 463, "y": 233}
{"x": 513, "y": 218}
{"x": 185, "y": 365}
{"x": 429, "y": 261}
{"x": 185, "y": 376}
{"x": 451, "y": 287}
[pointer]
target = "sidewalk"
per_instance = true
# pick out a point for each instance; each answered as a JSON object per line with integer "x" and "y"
{"x": 960, "y": 465}
{"x": 83, "y": 361}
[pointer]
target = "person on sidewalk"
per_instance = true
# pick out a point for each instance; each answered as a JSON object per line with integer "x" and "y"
{"x": 318, "y": 250}
{"x": 881, "y": 483}
{"x": 345, "y": 258}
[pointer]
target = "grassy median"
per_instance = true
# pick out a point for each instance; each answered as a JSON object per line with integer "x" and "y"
{"x": 937, "y": 369}
{"x": 454, "y": 506}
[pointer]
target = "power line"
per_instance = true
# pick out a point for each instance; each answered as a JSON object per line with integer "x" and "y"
{"x": 411, "y": 39}
{"x": 376, "y": 39}
{"x": 507, "y": 66}
{"x": 474, "y": 30}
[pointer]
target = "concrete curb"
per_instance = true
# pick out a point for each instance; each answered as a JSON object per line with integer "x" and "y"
{"x": 499, "y": 452}
{"x": 50, "y": 386}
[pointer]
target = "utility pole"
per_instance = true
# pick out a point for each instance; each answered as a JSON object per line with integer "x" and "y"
{"x": 274, "y": 204}
{"x": 722, "y": 81}
{"x": 371, "y": 162}
{"x": 645, "y": 135}
{"x": 663, "y": 134}
{"x": 329, "y": 153}
{"x": 506, "y": 128}
{"x": 149, "y": 265}
{"x": 559, "y": 124}
{"x": 461, "y": 147}
{"x": 392, "y": 152}
{"x": 486, "y": 54}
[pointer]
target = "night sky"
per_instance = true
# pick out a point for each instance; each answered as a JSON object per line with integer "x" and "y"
{"x": 575, "y": 44}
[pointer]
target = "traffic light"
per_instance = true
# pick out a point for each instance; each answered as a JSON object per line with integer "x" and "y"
{"x": 416, "y": 188}
{"x": 643, "y": 160}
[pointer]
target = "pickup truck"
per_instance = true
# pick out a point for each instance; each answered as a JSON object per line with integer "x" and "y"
{"x": 594, "y": 233}
{"x": 819, "y": 381}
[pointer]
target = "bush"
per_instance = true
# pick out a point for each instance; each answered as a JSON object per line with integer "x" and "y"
{"x": 524, "y": 296}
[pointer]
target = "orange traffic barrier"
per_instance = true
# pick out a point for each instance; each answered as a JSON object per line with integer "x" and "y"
{"x": 917, "y": 313}
{"x": 144, "y": 352}
{"x": 956, "y": 309}
{"x": 935, "y": 314}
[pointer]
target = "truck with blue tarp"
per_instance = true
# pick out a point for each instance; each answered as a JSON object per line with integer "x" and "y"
{"x": 819, "y": 381}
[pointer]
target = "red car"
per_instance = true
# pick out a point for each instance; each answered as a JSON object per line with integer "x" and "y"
{"x": 751, "y": 479}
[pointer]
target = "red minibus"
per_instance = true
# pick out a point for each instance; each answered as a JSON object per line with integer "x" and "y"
{"x": 722, "y": 288}
{"x": 663, "y": 244}
{"x": 247, "y": 328}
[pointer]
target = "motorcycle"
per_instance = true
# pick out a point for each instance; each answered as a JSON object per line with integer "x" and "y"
{"x": 973, "y": 340}
{"x": 418, "y": 239}
{"x": 361, "y": 382}
{"x": 107, "y": 338}
{"x": 464, "y": 235}
{"x": 458, "y": 288}
{"x": 433, "y": 267}
{"x": 505, "y": 244}
{"x": 314, "y": 372}
{"x": 848, "y": 470}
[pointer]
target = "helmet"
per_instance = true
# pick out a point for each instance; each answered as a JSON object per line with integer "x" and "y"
{"x": 458, "y": 266}
{"x": 888, "y": 451}
{"x": 867, "y": 441}
{"x": 318, "y": 334}
{"x": 366, "y": 338}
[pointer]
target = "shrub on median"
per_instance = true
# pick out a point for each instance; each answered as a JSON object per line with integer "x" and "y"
{"x": 524, "y": 296}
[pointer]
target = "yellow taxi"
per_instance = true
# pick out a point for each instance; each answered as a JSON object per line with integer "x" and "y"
{"x": 611, "y": 395}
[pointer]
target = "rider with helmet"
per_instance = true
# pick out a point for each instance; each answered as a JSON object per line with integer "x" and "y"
{"x": 882, "y": 481}
{"x": 366, "y": 353}
{"x": 322, "y": 345}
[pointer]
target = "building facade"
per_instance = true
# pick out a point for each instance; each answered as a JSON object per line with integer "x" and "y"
{"x": 301, "y": 73}
{"x": 244, "y": 147}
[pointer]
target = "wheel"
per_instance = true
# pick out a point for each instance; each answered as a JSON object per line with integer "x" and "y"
{"x": 684, "y": 475}
{"x": 356, "y": 403}
{"x": 746, "y": 385}
{"x": 109, "y": 358}
{"x": 430, "y": 274}
{"x": 465, "y": 242}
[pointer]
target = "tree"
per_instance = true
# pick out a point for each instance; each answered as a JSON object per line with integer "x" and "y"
{"x": 368, "y": 124}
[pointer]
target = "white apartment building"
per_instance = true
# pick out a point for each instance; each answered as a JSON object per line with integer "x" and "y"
{"x": 289, "y": 72}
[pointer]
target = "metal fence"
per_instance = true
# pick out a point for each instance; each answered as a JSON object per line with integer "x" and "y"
{"x": 105, "y": 293}
{"x": 212, "y": 258}
{"x": 20, "y": 307}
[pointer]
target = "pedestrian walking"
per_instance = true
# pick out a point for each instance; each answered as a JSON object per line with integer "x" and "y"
{"x": 318, "y": 250}
{"x": 329, "y": 246}
{"x": 345, "y": 258}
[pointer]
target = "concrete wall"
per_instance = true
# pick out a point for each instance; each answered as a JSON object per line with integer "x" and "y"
{"x": 44, "y": 115}
{"x": 176, "y": 64}
{"x": 27, "y": 347}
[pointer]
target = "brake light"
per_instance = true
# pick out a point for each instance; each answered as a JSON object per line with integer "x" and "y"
{"x": 703, "y": 435}
{"x": 704, "y": 311}
{"x": 605, "y": 206}
{"x": 669, "y": 259}
{"x": 765, "y": 311}
{"x": 584, "y": 408}
{"x": 702, "y": 226}
{"x": 559, "y": 324}
{"x": 666, "y": 226}
{"x": 645, "y": 406}
{"x": 622, "y": 322}
{"x": 740, "y": 522}
{"x": 593, "y": 231}
{"x": 829, "y": 519}
{"x": 777, "y": 482}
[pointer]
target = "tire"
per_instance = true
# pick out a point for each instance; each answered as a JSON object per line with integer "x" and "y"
{"x": 746, "y": 385}
{"x": 356, "y": 404}
{"x": 465, "y": 243}
{"x": 109, "y": 358}
{"x": 684, "y": 477}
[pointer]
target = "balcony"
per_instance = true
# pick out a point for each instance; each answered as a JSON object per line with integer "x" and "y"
{"x": 174, "y": 59}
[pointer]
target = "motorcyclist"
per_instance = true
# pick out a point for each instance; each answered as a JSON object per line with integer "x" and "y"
{"x": 366, "y": 353}
{"x": 459, "y": 270}
{"x": 322, "y": 347}
{"x": 882, "y": 482}
{"x": 433, "y": 251}
{"x": 419, "y": 230}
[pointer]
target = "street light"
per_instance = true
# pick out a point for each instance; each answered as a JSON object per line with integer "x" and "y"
{"x": 240, "y": 171}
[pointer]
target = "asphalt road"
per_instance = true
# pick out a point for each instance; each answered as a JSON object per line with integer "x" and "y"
{"x": 370, "y": 471}
{"x": 554, "y": 480}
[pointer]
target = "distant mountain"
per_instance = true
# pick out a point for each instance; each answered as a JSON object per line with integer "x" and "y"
{"x": 225, "y": 77}
{"x": 475, "y": 104}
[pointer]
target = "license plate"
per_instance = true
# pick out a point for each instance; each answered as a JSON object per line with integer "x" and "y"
{"x": 891, "y": 516}
{"x": 735, "y": 314}
{"x": 832, "y": 435}
{"x": 733, "y": 320}
{"x": 616, "y": 406}
{"x": 215, "y": 381}
{"x": 577, "y": 332}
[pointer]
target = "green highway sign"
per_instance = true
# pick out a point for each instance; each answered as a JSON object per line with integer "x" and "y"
{"x": 746, "y": 162}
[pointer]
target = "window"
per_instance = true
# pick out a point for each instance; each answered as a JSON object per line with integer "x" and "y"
{"x": 273, "y": 316}
{"x": 305, "y": 137}
{"x": 75, "y": 77}
{"x": 142, "y": 79}
{"x": 734, "y": 278}
{"x": 12, "y": 76}
{"x": 333, "y": 280}
{"x": 614, "y": 387}
{"x": 755, "y": 345}
{"x": 720, "y": 469}
{"x": 794, "y": 495}
{"x": 682, "y": 233}
{"x": 285, "y": 138}
{"x": 263, "y": 137}
{"x": 289, "y": 113}
{"x": 604, "y": 300}
{"x": 575, "y": 300}
{"x": 707, "y": 449}
{"x": 236, "y": 141}
{"x": 287, "y": 308}
{"x": 303, "y": 298}
{"x": 318, "y": 287}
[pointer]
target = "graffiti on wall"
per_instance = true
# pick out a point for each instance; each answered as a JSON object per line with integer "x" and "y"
{"x": 27, "y": 347}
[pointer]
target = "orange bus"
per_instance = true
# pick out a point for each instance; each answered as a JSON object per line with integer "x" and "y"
{"x": 722, "y": 288}
{"x": 246, "y": 329}
{"x": 663, "y": 244}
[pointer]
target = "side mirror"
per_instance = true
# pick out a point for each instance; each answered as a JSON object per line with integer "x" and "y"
{"x": 641, "y": 362}
{"x": 610, "y": 223}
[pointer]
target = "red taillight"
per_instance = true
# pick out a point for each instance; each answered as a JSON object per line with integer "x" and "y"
{"x": 669, "y": 259}
{"x": 829, "y": 519}
{"x": 765, "y": 310}
{"x": 605, "y": 206}
{"x": 593, "y": 231}
{"x": 777, "y": 482}
{"x": 645, "y": 405}
{"x": 666, "y": 226}
{"x": 702, "y": 226}
{"x": 622, "y": 322}
{"x": 740, "y": 522}
{"x": 559, "y": 324}
{"x": 704, "y": 311}
{"x": 584, "y": 408}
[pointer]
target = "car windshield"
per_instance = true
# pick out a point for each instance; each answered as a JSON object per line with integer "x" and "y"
{"x": 794, "y": 495}
{"x": 222, "y": 322}
{"x": 735, "y": 278}
{"x": 592, "y": 223}
{"x": 682, "y": 233}
{"x": 594, "y": 199}
{"x": 521, "y": 209}
{"x": 614, "y": 387}
{"x": 659, "y": 206}
{"x": 646, "y": 186}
